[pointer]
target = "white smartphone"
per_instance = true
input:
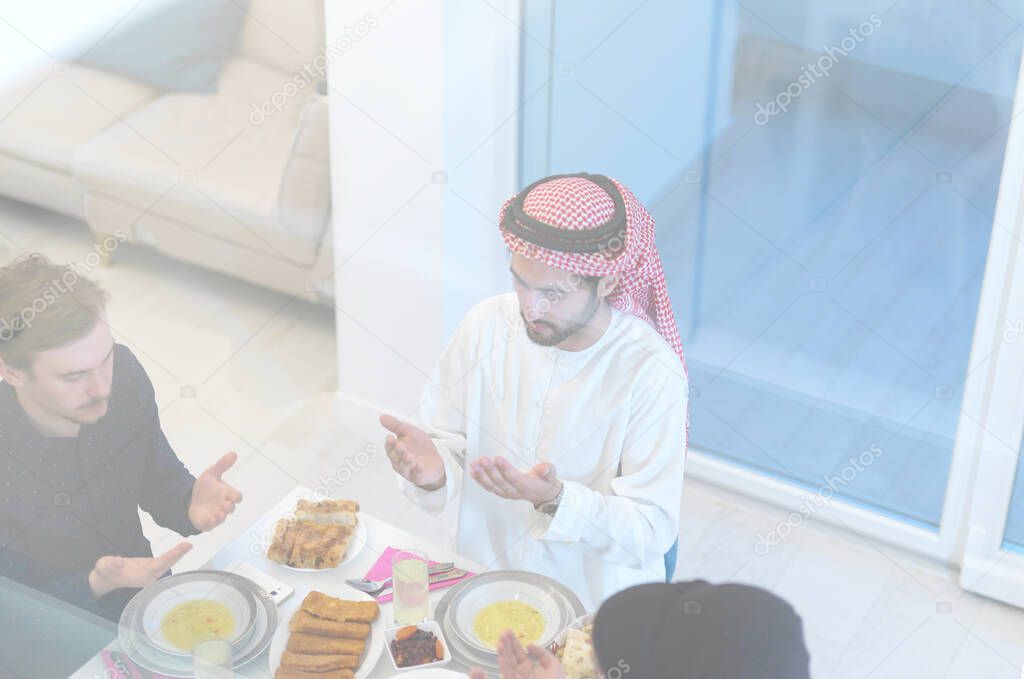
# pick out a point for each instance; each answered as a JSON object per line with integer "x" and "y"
{"x": 277, "y": 590}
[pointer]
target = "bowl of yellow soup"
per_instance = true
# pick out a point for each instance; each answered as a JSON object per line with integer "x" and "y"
{"x": 483, "y": 613}
{"x": 180, "y": 617}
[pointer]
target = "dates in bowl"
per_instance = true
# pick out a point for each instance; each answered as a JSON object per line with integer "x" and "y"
{"x": 417, "y": 646}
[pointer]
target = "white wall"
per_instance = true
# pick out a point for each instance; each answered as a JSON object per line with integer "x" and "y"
{"x": 63, "y": 29}
{"x": 423, "y": 140}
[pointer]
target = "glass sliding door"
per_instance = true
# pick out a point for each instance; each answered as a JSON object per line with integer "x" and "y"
{"x": 991, "y": 436}
{"x": 824, "y": 177}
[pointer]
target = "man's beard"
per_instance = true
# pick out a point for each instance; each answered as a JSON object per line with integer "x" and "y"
{"x": 562, "y": 334}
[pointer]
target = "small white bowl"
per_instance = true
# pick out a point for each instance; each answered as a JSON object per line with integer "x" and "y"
{"x": 426, "y": 626}
{"x": 240, "y": 604}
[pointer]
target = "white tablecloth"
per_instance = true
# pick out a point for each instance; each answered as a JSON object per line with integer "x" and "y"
{"x": 250, "y": 546}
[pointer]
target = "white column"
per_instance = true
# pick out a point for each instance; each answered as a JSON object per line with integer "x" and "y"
{"x": 423, "y": 150}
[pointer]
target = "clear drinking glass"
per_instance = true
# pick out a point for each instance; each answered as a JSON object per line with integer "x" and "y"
{"x": 212, "y": 659}
{"x": 409, "y": 570}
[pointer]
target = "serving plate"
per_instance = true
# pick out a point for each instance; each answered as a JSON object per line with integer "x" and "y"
{"x": 374, "y": 646}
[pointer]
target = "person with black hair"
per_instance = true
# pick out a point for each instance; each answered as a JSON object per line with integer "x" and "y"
{"x": 682, "y": 630}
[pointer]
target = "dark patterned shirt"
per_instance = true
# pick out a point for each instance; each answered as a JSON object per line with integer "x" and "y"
{"x": 66, "y": 502}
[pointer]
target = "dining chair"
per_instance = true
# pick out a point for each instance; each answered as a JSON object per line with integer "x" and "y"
{"x": 671, "y": 557}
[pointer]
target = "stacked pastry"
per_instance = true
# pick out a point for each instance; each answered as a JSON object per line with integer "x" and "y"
{"x": 328, "y": 637}
{"x": 577, "y": 654}
{"x": 317, "y": 535}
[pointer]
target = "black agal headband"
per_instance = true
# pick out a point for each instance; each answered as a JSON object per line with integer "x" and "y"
{"x": 582, "y": 241}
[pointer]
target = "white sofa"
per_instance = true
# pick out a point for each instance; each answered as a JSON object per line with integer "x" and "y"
{"x": 199, "y": 177}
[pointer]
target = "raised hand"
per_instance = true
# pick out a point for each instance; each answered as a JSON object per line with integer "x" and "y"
{"x": 515, "y": 662}
{"x": 538, "y": 485}
{"x": 413, "y": 454}
{"x": 212, "y": 498}
{"x": 115, "y": 572}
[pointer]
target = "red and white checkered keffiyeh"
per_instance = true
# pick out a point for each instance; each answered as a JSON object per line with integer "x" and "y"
{"x": 576, "y": 203}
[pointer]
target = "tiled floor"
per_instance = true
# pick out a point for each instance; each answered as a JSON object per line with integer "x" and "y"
{"x": 264, "y": 375}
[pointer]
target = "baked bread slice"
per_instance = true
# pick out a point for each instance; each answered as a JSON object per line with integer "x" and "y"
{"x": 279, "y": 547}
{"x": 317, "y": 536}
{"x": 578, "y": 656}
{"x": 315, "y": 539}
{"x": 329, "y": 511}
{"x": 335, "y": 552}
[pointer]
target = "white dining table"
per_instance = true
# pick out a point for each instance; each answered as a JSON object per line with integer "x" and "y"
{"x": 251, "y": 545}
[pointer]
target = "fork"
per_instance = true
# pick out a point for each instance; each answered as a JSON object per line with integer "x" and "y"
{"x": 374, "y": 586}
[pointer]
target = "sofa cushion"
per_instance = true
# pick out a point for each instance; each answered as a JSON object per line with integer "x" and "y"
{"x": 197, "y": 159}
{"x": 38, "y": 185}
{"x": 306, "y": 185}
{"x": 174, "y": 47}
{"x": 44, "y": 119}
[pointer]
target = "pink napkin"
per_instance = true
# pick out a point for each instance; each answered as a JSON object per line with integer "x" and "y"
{"x": 123, "y": 668}
{"x": 382, "y": 571}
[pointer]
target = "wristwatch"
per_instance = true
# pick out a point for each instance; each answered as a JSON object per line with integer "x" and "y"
{"x": 551, "y": 506}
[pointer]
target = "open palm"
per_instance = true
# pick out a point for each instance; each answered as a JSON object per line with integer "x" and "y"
{"x": 114, "y": 572}
{"x": 212, "y": 498}
{"x": 516, "y": 662}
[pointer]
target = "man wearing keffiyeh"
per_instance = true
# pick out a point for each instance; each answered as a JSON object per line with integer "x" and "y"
{"x": 565, "y": 401}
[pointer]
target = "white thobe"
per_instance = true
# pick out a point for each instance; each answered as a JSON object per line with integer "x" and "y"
{"x": 611, "y": 418}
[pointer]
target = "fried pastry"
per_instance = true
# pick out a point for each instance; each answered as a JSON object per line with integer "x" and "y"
{"x": 290, "y": 673}
{"x": 303, "y": 621}
{"x": 318, "y": 663}
{"x": 314, "y": 644}
{"x": 330, "y": 608}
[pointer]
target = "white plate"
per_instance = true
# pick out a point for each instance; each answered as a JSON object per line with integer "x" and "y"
{"x": 434, "y": 673}
{"x": 469, "y": 656}
{"x": 466, "y": 655}
{"x": 374, "y": 647}
{"x": 241, "y": 605}
{"x": 480, "y": 597}
{"x": 134, "y": 643}
{"x": 359, "y": 538}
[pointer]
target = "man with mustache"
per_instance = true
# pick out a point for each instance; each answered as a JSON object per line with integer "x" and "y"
{"x": 82, "y": 450}
{"x": 564, "y": 402}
